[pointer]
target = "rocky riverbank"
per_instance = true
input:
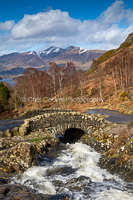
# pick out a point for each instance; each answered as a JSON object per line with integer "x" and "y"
{"x": 115, "y": 142}
{"x": 18, "y": 153}
{"x": 20, "y": 150}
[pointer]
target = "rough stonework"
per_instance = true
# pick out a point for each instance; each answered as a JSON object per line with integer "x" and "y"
{"x": 57, "y": 121}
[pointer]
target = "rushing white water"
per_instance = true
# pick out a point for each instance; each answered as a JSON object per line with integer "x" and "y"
{"x": 75, "y": 172}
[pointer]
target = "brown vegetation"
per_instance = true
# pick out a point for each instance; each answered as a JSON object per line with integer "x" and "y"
{"x": 109, "y": 80}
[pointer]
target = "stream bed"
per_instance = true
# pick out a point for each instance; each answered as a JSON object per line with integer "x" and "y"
{"x": 73, "y": 170}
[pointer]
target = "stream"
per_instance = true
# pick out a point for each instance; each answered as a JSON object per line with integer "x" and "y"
{"x": 74, "y": 171}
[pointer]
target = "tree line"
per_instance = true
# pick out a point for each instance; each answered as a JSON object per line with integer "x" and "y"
{"x": 39, "y": 84}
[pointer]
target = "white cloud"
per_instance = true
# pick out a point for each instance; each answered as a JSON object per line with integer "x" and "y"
{"x": 45, "y": 24}
{"x": 114, "y": 14}
{"x": 6, "y": 26}
{"x": 54, "y": 27}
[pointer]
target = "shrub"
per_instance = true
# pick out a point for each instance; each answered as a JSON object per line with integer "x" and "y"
{"x": 123, "y": 95}
{"x": 76, "y": 92}
{"x": 85, "y": 92}
{"x": 4, "y": 96}
{"x": 93, "y": 91}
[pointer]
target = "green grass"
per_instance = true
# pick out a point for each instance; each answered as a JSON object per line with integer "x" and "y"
{"x": 39, "y": 139}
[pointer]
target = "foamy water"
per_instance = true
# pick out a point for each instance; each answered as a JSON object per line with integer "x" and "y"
{"x": 81, "y": 161}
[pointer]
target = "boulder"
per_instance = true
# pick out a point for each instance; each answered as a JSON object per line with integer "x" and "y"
{"x": 23, "y": 130}
{"x": 8, "y": 142}
{"x": 15, "y": 129}
{"x": 1, "y": 134}
{"x": 19, "y": 158}
{"x": 8, "y": 133}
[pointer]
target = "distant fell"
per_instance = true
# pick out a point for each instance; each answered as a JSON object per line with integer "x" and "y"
{"x": 40, "y": 60}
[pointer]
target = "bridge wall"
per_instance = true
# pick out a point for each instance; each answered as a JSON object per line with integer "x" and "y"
{"x": 57, "y": 121}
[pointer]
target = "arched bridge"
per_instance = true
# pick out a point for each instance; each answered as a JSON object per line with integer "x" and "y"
{"x": 57, "y": 121}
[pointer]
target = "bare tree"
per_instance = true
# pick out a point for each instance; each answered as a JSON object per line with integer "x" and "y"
{"x": 61, "y": 72}
{"x": 100, "y": 83}
{"x": 80, "y": 76}
{"x": 71, "y": 73}
{"x": 53, "y": 76}
{"x": 114, "y": 64}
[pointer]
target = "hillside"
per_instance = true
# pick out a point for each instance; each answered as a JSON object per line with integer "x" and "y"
{"x": 108, "y": 84}
{"x": 15, "y": 63}
{"x": 107, "y": 56}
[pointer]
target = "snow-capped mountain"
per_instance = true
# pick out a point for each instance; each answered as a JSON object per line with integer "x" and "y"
{"x": 51, "y": 51}
{"x": 80, "y": 56}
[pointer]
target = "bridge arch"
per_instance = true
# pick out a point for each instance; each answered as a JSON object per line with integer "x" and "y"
{"x": 58, "y": 121}
{"x": 62, "y": 127}
{"x": 72, "y": 135}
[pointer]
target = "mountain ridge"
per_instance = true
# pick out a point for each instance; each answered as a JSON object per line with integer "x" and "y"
{"x": 40, "y": 59}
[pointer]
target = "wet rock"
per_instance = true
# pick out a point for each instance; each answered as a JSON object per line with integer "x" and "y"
{"x": 18, "y": 192}
{"x": 4, "y": 190}
{"x": 4, "y": 180}
{"x": 5, "y": 177}
{"x": 76, "y": 184}
{"x": 64, "y": 171}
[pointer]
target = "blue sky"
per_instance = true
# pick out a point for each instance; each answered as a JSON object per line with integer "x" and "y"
{"x": 35, "y": 25}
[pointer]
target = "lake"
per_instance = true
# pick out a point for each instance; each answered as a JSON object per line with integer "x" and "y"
{"x": 8, "y": 80}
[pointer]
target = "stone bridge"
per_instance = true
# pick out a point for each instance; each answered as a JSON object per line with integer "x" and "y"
{"x": 57, "y": 121}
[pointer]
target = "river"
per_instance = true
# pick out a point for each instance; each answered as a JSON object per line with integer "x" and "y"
{"x": 74, "y": 171}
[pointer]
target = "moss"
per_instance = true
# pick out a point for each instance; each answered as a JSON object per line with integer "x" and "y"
{"x": 114, "y": 155}
{"x": 15, "y": 133}
{"x": 39, "y": 139}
